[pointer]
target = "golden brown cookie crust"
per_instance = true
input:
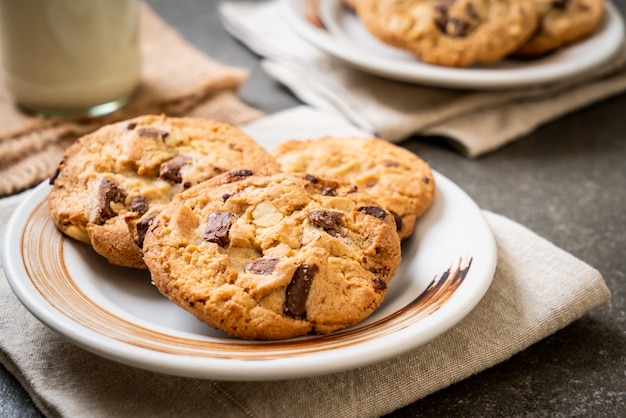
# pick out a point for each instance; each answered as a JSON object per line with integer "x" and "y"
{"x": 562, "y": 22}
{"x": 113, "y": 180}
{"x": 378, "y": 17}
{"x": 273, "y": 256}
{"x": 455, "y": 33}
{"x": 402, "y": 182}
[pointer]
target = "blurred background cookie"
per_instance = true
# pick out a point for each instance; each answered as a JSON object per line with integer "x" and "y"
{"x": 455, "y": 33}
{"x": 562, "y": 22}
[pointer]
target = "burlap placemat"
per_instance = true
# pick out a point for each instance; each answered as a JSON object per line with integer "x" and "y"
{"x": 177, "y": 79}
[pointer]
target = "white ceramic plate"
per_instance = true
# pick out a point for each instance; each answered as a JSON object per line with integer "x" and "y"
{"x": 345, "y": 38}
{"x": 447, "y": 266}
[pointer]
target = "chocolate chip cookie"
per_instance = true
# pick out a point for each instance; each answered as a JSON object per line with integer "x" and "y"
{"x": 562, "y": 22}
{"x": 455, "y": 33}
{"x": 273, "y": 256}
{"x": 111, "y": 182}
{"x": 402, "y": 182}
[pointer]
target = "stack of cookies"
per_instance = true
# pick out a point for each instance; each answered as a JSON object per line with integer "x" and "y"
{"x": 460, "y": 33}
{"x": 260, "y": 246}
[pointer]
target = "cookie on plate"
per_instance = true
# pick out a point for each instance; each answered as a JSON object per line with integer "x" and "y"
{"x": 111, "y": 182}
{"x": 455, "y": 33}
{"x": 402, "y": 182}
{"x": 273, "y": 256}
{"x": 378, "y": 18}
{"x": 562, "y": 22}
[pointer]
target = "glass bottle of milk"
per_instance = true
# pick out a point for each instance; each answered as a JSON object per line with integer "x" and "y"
{"x": 70, "y": 57}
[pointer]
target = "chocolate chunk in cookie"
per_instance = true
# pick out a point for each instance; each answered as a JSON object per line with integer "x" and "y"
{"x": 330, "y": 221}
{"x": 170, "y": 170}
{"x": 298, "y": 290}
{"x": 217, "y": 228}
{"x": 109, "y": 193}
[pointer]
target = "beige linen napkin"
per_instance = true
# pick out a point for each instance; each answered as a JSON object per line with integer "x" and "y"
{"x": 476, "y": 122}
{"x": 177, "y": 79}
{"x": 537, "y": 289}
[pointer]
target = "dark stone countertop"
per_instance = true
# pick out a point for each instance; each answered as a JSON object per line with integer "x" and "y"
{"x": 566, "y": 181}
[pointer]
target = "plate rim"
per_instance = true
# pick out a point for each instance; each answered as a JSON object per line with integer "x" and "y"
{"x": 343, "y": 358}
{"x": 531, "y": 75}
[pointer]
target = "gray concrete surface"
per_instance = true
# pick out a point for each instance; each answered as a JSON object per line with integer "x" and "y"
{"x": 566, "y": 182}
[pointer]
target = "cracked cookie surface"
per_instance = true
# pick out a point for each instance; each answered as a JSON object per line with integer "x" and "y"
{"x": 402, "y": 182}
{"x": 273, "y": 256}
{"x": 455, "y": 33}
{"x": 111, "y": 182}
